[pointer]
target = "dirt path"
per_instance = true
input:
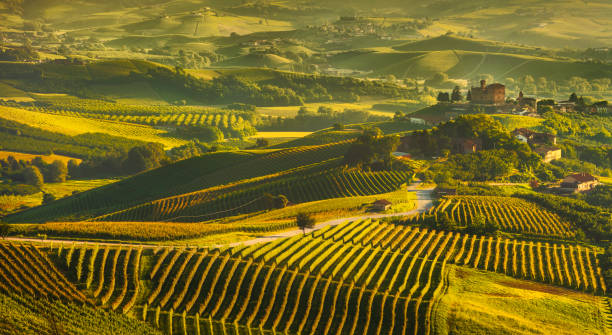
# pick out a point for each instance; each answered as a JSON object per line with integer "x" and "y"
{"x": 424, "y": 198}
{"x": 424, "y": 202}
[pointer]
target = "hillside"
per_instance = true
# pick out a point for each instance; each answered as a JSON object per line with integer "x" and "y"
{"x": 186, "y": 176}
{"x": 466, "y": 64}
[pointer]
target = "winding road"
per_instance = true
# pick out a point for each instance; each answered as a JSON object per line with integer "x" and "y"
{"x": 424, "y": 198}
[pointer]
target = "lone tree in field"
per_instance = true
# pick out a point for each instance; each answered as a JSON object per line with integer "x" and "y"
{"x": 304, "y": 221}
{"x": 5, "y": 229}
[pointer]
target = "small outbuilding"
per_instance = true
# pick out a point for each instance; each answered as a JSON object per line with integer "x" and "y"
{"x": 382, "y": 205}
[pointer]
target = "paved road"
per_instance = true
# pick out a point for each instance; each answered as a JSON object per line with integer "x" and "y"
{"x": 424, "y": 202}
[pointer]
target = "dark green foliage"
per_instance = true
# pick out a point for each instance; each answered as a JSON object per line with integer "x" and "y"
{"x": 371, "y": 149}
{"x": 304, "y": 221}
{"x": 456, "y": 95}
{"x": 5, "y": 229}
{"x": 481, "y": 226}
{"x": 32, "y": 176}
{"x": 600, "y": 196}
{"x": 262, "y": 143}
{"x": 307, "y": 120}
{"x": 144, "y": 158}
{"x": 57, "y": 172}
{"x": 47, "y": 198}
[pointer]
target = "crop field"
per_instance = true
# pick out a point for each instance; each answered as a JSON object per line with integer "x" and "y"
{"x": 27, "y": 270}
{"x": 378, "y": 277}
{"x": 183, "y": 177}
{"x": 210, "y": 204}
{"x": 512, "y": 214}
{"x": 75, "y": 125}
{"x": 152, "y": 115}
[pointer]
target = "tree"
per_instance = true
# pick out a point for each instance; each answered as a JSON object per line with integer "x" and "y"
{"x": 5, "y": 229}
{"x": 469, "y": 95}
{"x": 262, "y": 143}
{"x": 57, "y": 172}
{"x": 280, "y": 201}
{"x": 304, "y": 221}
{"x": 47, "y": 198}
{"x": 456, "y": 95}
{"x": 32, "y": 176}
{"x": 146, "y": 157}
{"x": 443, "y": 97}
{"x": 338, "y": 126}
{"x": 573, "y": 98}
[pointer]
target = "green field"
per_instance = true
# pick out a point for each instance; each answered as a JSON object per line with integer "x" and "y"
{"x": 73, "y": 125}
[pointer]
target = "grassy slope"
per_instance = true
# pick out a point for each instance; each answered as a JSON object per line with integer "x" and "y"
{"x": 10, "y": 203}
{"x": 182, "y": 177}
{"x": 71, "y": 125}
{"x": 450, "y": 42}
{"x": 488, "y": 303}
{"x": 465, "y": 64}
{"x": 511, "y": 122}
{"x": 28, "y": 157}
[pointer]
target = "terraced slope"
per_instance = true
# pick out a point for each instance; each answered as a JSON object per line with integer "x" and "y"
{"x": 512, "y": 214}
{"x": 249, "y": 197}
{"x": 24, "y": 269}
{"x": 186, "y": 176}
{"x": 368, "y": 276}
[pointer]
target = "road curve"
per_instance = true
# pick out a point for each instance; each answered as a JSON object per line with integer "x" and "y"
{"x": 424, "y": 198}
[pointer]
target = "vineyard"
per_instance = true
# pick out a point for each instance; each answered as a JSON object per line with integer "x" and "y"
{"x": 110, "y": 275}
{"x": 363, "y": 276}
{"x": 232, "y": 123}
{"x": 28, "y": 315}
{"x": 25, "y": 269}
{"x": 211, "y": 204}
{"x": 377, "y": 277}
{"x": 512, "y": 214}
{"x": 186, "y": 176}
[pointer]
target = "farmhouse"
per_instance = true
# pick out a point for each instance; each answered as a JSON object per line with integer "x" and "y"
{"x": 548, "y": 153}
{"x": 381, "y": 205}
{"x": 467, "y": 146}
{"x": 579, "y": 182}
{"x": 531, "y": 137}
{"x": 493, "y": 94}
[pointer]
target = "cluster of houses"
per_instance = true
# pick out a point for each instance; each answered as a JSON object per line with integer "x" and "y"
{"x": 541, "y": 143}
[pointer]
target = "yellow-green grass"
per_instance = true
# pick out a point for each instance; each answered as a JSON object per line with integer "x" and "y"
{"x": 606, "y": 180}
{"x": 281, "y": 134}
{"x": 9, "y": 203}
{"x": 71, "y": 125}
{"x": 291, "y": 111}
{"x": 511, "y": 122}
{"x": 465, "y": 64}
{"x": 323, "y": 210}
{"x": 8, "y": 92}
{"x": 252, "y": 60}
{"x": 478, "y": 302}
{"x": 28, "y": 157}
{"x": 453, "y": 42}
